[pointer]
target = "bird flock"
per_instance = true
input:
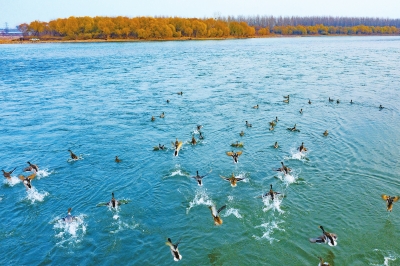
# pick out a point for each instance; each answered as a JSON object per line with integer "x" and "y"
{"x": 326, "y": 237}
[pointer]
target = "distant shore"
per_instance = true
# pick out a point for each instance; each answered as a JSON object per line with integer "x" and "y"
{"x": 13, "y": 40}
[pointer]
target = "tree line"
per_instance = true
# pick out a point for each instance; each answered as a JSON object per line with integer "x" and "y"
{"x": 84, "y": 28}
{"x": 271, "y": 21}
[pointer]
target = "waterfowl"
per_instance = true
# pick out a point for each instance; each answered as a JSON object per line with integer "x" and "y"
{"x": 199, "y": 127}
{"x": 293, "y": 128}
{"x": 180, "y": 93}
{"x": 276, "y": 145}
{"x": 389, "y": 201}
{"x": 215, "y": 214}
{"x": 255, "y": 107}
{"x": 322, "y": 263}
{"x": 177, "y": 145}
{"x": 331, "y": 100}
{"x": 286, "y": 96}
{"x": 115, "y": 203}
{"x": 337, "y": 101}
{"x": 381, "y": 107}
{"x": 31, "y": 167}
{"x": 276, "y": 119}
{"x": 8, "y": 174}
{"x": 237, "y": 144}
{"x": 73, "y": 155}
{"x": 27, "y": 180}
{"x": 174, "y": 249}
{"x": 241, "y": 133}
{"x": 167, "y": 101}
{"x": 302, "y": 148}
{"x": 326, "y": 133}
{"x": 117, "y": 160}
{"x": 69, "y": 218}
{"x": 160, "y": 147}
{"x": 351, "y": 101}
{"x": 271, "y": 128}
{"x": 193, "y": 141}
{"x": 272, "y": 123}
{"x": 284, "y": 169}
{"x": 301, "y": 111}
{"x": 234, "y": 155}
{"x": 247, "y": 124}
{"x": 199, "y": 178}
{"x": 309, "y": 101}
{"x": 329, "y": 238}
{"x": 153, "y": 118}
{"x": 200, "y": 136}
{"x": 233, "y": 180}
{"x": 286, "y": 101}
{"x": 271, "y": 193}
{"x": 162, "y": 115}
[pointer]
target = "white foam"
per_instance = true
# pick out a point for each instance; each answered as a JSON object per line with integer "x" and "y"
{"x": 178, "y": 172}
{"x": 70, "y": 233}
{"x": 288, "y": 178}
{"x": 230, "y": 198}
{"x": 43, "y": 173}
{"x": 201, "y": 198}
{"x": 274, "y": 205}
{"x": 12, "y": 181}
{"x": 268, "y": 230}
{"x": 233, "y": 211}
{"x": 387, "y": 257}
{"x": 33, "y": 195}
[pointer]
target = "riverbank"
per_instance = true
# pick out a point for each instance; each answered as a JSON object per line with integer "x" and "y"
{"x": 13, "y": 40}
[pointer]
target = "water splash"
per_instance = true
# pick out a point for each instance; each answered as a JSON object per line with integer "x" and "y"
{"x": 268, "y": 229}
{"x": 387, "y": 257}
{"x": 274, "y": 204}
{"x": 201, "y": 198}
{"x": 80, "y": 157}
{"x": 70, "y": 233}
{"x": 233, "y": 211}
{"x": 33, "y": 195}
{"x": 287, "y": 179}
{"x": 12, "y": 181}
{"x": 43, "y": 173}
{"x": 122, "y": 225}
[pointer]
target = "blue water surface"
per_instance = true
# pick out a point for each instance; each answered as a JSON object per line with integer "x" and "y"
{"x": 97, "y": 99}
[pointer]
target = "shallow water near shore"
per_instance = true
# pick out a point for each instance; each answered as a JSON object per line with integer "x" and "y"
{"x": 97, "y": 99}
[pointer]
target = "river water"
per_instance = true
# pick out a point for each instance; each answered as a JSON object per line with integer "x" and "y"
{"x": 97, "y": 99}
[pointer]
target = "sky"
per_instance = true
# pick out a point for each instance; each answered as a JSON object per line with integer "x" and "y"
{"x": 15, "y": 12}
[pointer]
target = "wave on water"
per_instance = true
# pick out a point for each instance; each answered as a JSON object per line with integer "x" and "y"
{"x": 70, "y": 233}
{"x": 268, "y": 229}
{"x": 33, "y": 195}
{"x": 387, "y": 257}
{"x": 12, "y": 181}
{"x": 201, "y": 198}
{"x": 274, "y": 204}
{"x": 232, "y": 211}
{"x": 122, "y": 225}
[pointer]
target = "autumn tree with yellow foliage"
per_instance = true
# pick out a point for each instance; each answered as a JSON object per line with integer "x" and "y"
{"x": 164, "y": 28}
